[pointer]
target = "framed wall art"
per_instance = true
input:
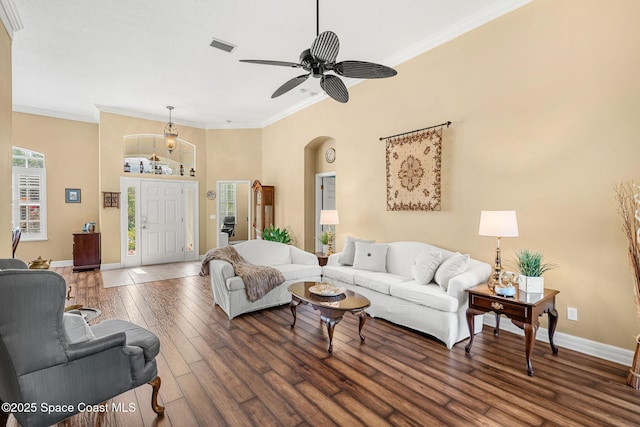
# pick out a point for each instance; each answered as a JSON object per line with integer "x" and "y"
{"x": 72, "y": 195}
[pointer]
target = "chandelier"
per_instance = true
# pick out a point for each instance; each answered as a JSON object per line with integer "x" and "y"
{"x": 170, "y": 133}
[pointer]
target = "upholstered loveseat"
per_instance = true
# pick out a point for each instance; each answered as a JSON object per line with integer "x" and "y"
{"x": 229, "y": 290}
{"x": 414, "y": 284}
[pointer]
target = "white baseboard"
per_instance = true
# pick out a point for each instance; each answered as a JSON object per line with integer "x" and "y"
{"x": 592, "y": 348}
{"x": 64, "y": 263}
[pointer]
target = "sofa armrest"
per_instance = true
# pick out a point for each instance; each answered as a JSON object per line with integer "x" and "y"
{"x": 298, "y": 256}
{"x": 475, "y": 275}
{"x": 333, "y": 259}
{"x": 221, "y": 269}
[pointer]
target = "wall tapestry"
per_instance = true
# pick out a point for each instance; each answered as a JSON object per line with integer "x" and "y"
{"x": 413, "y": 170}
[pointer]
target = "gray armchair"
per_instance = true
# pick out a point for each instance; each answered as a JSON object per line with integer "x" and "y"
{"x": 12, "y": 263}
{"x": 43, "y": 363}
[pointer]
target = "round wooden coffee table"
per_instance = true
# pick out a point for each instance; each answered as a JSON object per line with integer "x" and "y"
{"x": 332, "y": 308}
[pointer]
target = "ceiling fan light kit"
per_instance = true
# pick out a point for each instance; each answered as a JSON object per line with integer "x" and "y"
{"x": 321, "y": 58}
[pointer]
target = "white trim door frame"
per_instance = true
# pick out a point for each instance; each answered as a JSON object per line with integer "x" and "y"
{"x": 189, "y": 227}
{"x": 222, "y": 238}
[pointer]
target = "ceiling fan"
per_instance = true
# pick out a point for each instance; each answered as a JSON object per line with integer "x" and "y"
{"x": 320, "y": 59}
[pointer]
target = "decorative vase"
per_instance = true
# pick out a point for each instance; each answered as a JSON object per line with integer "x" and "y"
{"x": 531, "y": 284}
{"x": 633, "y": 379}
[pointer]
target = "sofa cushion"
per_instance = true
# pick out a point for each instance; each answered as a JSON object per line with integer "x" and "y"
{"x": 427, "y": 295}
{"x": 380, "y": 282}
{"x": 264, "y": 252}
{"x": 339, "y": 272}
{"x": 450, "y": 267}
{"x": 425, "y": 266}
{"x": 401, "y": 255}
{"x": 371, "y": 256}
{"x": 298, "y": 271}
{"x": 349, "y": 251}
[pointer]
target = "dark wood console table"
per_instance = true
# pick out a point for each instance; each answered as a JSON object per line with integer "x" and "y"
{"x": 523, "y": 310}
{"x": 86, "y": 251}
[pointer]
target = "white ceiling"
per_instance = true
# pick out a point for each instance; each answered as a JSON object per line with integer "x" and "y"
{"x": 73, "y": 58}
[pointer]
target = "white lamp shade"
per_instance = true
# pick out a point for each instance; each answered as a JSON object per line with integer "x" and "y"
{"x": 329, "y": 217}
{"x": 498, "y": 224}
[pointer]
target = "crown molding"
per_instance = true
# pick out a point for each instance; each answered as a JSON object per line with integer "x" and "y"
{"x": 54, "y": 114}
{"x": 10, "y": 17}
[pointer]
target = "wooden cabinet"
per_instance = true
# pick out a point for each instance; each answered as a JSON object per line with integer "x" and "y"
{"x": 86, "y": 251}
{"x": 263, "y": 208}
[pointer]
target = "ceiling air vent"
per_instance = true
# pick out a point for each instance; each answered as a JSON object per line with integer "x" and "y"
{"x": 222, "y": 45}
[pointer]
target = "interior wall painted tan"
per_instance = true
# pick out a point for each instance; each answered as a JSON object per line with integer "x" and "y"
{"x": 544, "y": 103}
{"x": 113, "y": 128}
{"x": 71, "y": 160}
{"x": 5, "y": 142}
{"x": 232, "y": 154}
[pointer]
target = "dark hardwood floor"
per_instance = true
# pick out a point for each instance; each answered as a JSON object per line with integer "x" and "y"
{"x": 256, "y": 370}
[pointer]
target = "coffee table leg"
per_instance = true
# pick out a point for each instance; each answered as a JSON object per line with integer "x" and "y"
{"x": 292, "y": 306}
{"x": 331, "y": 324}
{"x": 363, "y": 319}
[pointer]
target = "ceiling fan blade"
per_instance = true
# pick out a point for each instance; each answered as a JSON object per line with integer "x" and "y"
{"x": 335, "y": 88}
{"x": 326, "y": 46}
{"x": 290, "y": 85}
{"x": 266, "y": 62}
{"x": 363, "y": 70}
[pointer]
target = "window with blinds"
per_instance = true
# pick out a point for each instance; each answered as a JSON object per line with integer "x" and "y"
{"x": 29, "y": 194}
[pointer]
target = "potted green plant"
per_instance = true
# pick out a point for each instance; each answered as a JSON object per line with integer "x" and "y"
{"x": 276, "y": 234}
{"x": 327, "y": 237}
{"x": 530, "y": 265}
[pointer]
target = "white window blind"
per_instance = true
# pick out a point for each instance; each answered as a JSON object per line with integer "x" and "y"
{"x": 29, "y": 194}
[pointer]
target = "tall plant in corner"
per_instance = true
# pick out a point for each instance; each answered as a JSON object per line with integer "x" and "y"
{"x": 628, "y": 197}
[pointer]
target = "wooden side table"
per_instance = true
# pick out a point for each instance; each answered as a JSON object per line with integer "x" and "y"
{"x": 322, "y": 258}
{"x": 523, "y": 310}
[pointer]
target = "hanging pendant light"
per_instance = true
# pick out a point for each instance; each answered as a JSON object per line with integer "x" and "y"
{"x": 170, "y": 133}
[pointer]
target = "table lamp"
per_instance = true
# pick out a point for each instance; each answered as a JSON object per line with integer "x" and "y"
{"x": 497, "y": 224}
{"x": 329, "y": 217}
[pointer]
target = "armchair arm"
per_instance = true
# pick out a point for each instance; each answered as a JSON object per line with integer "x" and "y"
{"x": 97, "y": 345}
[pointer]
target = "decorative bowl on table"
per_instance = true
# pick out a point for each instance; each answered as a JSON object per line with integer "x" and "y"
{"x": 326, "y": 290}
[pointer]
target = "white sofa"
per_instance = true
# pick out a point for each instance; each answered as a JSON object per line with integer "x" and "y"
{"x": 229, "y": 291}
{"x": 398, "y": 297}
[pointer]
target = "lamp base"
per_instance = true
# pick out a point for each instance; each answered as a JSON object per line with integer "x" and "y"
{"x": 494, "y": 279}
{"x": 329, "y": 249}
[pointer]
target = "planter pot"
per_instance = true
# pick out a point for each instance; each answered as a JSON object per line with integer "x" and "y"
{"x": 531, "y": 284}
{"x": 633, "y": 379}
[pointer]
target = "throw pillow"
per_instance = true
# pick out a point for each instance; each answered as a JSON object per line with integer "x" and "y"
{"x": 76, "y": 328}
{"x": 425, "y": 266}
{"x": 371, "y": 256}
{"x": 349, "y": 251}
{"x": 450, "y": 267}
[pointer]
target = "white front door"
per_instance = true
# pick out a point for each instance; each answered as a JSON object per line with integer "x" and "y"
{"x": 161, "y": 225}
